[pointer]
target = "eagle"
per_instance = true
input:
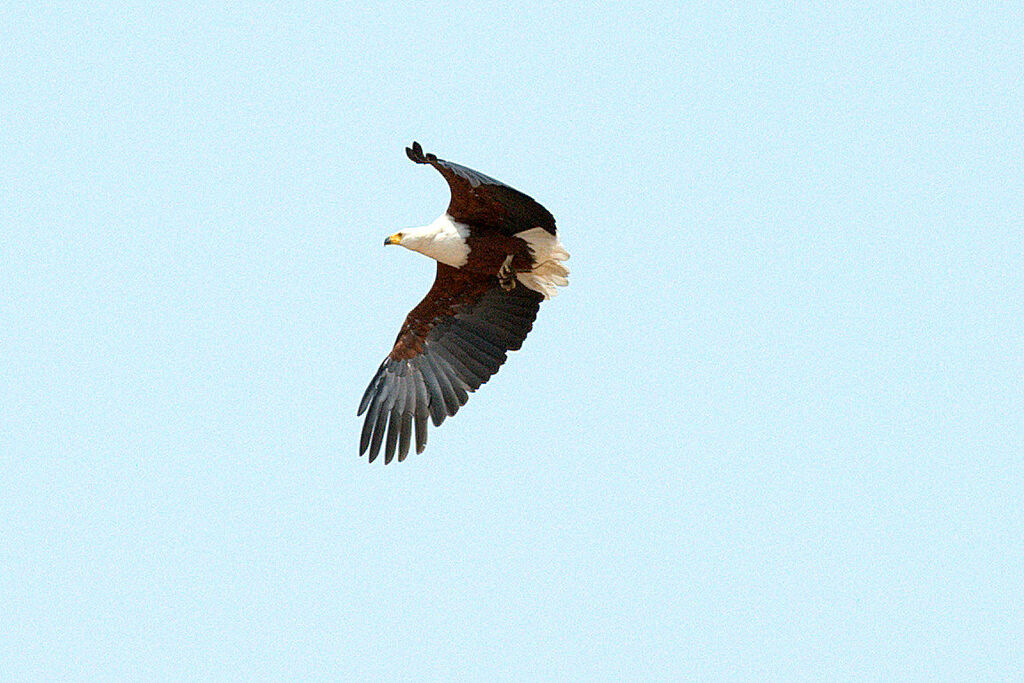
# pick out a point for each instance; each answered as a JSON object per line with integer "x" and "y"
{"x": 498, "y": 256}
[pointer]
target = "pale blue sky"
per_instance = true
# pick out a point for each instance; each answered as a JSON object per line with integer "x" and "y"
{"x": 773, "y": 428}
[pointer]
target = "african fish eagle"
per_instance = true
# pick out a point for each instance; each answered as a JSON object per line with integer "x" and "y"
{"x": 498, "y": 256}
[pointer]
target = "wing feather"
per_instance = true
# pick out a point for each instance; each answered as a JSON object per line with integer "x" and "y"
{"x": 479, "y": 200}
{"x": 450, "y": 344}
{"x": 478, "y": 370}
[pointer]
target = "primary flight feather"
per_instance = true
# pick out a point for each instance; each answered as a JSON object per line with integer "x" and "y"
{"x": 498, "y": 256}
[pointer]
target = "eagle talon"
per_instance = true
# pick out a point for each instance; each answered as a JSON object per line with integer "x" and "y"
{"x": 506, "y": 277}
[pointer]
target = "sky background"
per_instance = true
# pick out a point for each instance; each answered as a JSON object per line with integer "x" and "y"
{"x": 773, "y": 428}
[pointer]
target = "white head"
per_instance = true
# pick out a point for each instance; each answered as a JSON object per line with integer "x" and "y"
{"x": 443, "y": 240}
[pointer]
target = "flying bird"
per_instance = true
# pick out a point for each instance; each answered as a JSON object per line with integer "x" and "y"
{"x": 498, "y": 256}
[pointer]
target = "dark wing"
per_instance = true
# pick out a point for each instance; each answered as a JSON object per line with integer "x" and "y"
{"x": 478, "y": 200}
{"x": 450, "y": 344}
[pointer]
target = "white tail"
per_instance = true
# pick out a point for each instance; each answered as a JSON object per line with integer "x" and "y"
{"x": 548, "y": 253}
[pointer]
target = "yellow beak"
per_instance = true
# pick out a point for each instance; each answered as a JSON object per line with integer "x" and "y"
{"x": 394, "y": 239}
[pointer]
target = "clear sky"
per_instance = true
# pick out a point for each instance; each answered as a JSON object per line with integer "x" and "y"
{"x": 773, "y": 428}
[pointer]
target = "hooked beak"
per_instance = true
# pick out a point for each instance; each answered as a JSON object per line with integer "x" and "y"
{"x": 394, "y": 239}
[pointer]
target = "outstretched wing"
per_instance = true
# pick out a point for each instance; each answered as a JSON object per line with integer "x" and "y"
{"x": 450, "y": 344}
{"x": 479, "y": 200}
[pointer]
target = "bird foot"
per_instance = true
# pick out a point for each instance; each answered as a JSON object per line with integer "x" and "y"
{"x": 506, "y": 277}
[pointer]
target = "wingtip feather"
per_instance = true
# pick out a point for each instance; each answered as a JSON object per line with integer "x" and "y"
{"x": 415, "y": 153}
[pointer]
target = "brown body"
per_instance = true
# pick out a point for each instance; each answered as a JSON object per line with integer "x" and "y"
{"x": 488, "y": 250}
